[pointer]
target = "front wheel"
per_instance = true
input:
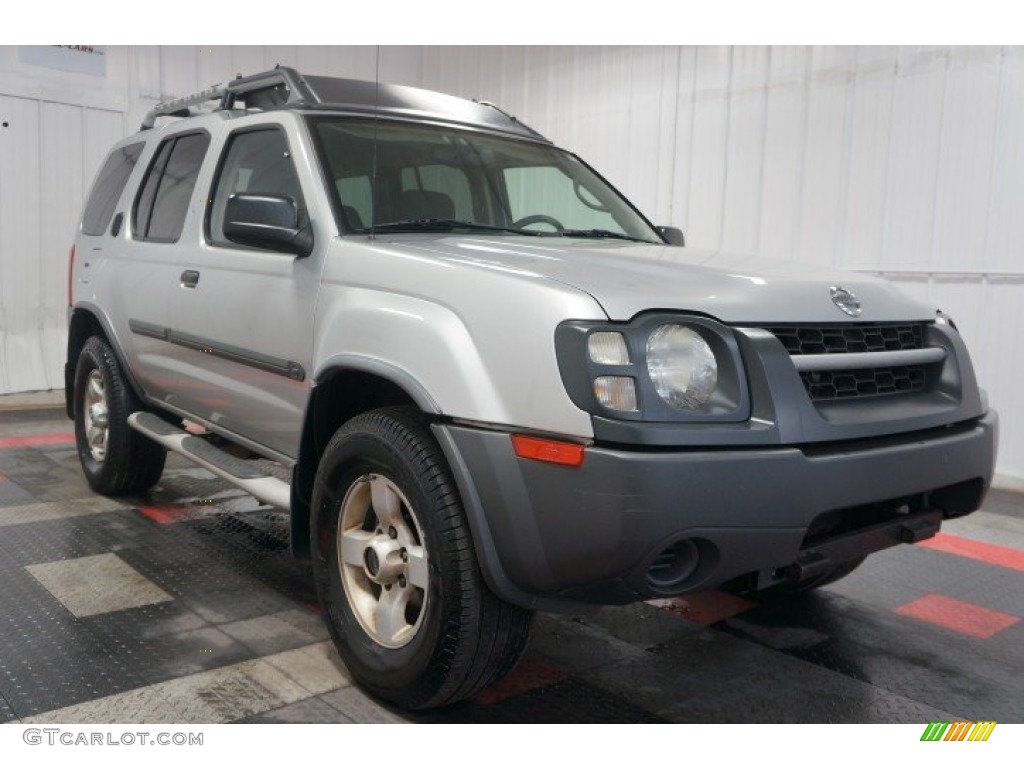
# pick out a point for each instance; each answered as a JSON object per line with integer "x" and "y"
{"x": 395, "y": 570}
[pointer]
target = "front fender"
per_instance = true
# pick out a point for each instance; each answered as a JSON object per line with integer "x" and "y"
{"x": 468, "y": 344}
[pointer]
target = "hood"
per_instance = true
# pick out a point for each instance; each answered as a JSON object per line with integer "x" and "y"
{"x": 629, "y": 278}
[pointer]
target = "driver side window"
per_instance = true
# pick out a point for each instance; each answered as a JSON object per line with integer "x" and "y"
{"x": 255, "y": 162}
{"x": 538, "y": 189}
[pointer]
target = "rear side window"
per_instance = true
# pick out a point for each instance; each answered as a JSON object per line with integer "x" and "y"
{"x": 108, "y": 188}
{"x": 163, "y": 200}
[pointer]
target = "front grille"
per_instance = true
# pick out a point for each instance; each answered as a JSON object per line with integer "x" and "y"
{"x": 833, "y": 385}
{"x": 850, "y": 337}
{"x": 853, "y": 338}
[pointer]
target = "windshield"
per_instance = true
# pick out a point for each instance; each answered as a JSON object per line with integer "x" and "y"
{"x": 435, "y": 178}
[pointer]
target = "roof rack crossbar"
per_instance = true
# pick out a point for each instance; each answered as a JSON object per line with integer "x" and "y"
{"x": 174, "y": 106}
{"x": 298, "y": 91}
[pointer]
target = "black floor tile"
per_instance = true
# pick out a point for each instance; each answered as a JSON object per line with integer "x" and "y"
{"x": 49, "y": 658}
{"x": 6, "y": 711}
{"x": 568, "y": 701}
{"x": 937, "y": 667}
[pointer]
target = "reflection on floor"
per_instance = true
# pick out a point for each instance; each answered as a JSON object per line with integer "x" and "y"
{"x": 186, "y": 606}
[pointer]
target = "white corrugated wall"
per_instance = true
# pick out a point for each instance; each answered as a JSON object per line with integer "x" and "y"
{"x": 906, "y": 162}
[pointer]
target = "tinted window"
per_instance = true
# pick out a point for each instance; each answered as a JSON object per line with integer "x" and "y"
{"x": 144, "y": 201}
{"x": 165, "y": 196}
{"x": 255, "y": 162}
{"x": 356, "y": 200}
{"x": 550, "y": 191}
{"x": 108, "y": 187}
{"x": 444, "y": 179}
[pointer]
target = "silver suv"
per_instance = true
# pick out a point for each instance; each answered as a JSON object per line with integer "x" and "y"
{"x": 497, "y": 387}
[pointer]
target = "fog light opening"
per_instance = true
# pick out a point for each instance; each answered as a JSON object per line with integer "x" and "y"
{"x": 673, "y": 565}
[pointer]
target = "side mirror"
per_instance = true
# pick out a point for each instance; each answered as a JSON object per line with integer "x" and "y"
{"x": 672, "y": 235}
{"x": 266, "y": 221}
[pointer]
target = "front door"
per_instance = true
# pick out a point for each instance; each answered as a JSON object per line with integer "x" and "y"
{"x": 243, "y": 317}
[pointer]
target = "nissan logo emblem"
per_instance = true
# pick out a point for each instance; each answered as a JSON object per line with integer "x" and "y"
{"x": 845, "y": 300}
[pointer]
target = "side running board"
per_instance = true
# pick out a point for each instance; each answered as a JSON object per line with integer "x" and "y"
{"x": 243, "y": 474}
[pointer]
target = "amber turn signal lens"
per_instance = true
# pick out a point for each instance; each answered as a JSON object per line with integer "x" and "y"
{"x": 551, "y": 451}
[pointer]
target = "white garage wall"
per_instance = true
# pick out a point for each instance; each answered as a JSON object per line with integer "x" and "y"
{"x": 905, "y": 162}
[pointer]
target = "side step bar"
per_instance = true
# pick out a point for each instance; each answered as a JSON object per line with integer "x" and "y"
{"x": 251, "y": 479}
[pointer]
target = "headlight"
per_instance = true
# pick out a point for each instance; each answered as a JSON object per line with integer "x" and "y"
{"x": 682, "y": 366}
{"x": 608, "y": 348}
{"x": 615, "y": 392}
{"x": 660, "y": 368}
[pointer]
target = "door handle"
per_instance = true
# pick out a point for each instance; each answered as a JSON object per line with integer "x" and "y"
{"x": 189, "y": 278}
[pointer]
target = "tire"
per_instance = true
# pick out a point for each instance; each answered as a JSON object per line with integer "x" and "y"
{"x": 405, "y": 602}
{"x": 802, "y": 587}
{"x": 116, "y": 459}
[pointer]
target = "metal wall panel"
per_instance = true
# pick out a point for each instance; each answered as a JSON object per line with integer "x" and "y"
{"x": 21, "y": 344}
{"x": 744, "y": 155}
{"x": 62, "y": 185}
{"x": 783, "y": 147}
{"x": 708, "y": 157}
{"x": 969, "y": 120}
{"x": 915, "y": 140}
{"x": 823, "y": 193}
{"x": 867, "y": 161}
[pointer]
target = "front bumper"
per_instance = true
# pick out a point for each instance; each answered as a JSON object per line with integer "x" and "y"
{"x": 547, "y": 535}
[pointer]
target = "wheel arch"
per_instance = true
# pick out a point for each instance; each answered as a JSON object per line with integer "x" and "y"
{"x": 345, "y": 386}
{"x": 86, "y": 321}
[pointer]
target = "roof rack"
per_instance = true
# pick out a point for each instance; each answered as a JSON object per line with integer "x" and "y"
{"x": 512, "y": 118}
{"x": 283, "y": 86}
{"x": 284, "y": 83}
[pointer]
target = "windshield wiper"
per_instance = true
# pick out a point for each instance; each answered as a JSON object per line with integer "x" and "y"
{"x": 443, "y": 225}
{"x": 600, "y": 233}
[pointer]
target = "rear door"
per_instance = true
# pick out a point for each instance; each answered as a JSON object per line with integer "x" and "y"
{"x": 147, "y": 274}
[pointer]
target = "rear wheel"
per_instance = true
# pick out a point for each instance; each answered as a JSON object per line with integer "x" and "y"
{"x": 115, "y": 458}
{"x": 395, "y": 569}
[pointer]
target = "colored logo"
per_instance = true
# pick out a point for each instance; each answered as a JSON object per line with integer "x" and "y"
{"x": 979, "y": 731}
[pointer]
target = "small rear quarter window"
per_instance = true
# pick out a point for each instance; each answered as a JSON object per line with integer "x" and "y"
{"x": 108, "y": 188}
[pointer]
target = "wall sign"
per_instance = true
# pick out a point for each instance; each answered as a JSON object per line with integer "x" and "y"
{"x": 85, "y": 59}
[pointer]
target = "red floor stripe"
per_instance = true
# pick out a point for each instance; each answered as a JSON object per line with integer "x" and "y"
{"x": 28, "y": 441}
{"x": 528, "y": 675}
{"x": 3, "y": 478}
{"x": 966, "y": 618}
{"x": 976, "y": 550}
{"x": 165, "y": 514}
{"x": 704, "y": 607}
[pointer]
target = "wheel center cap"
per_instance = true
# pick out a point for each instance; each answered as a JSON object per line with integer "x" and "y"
{"x": 382, "y": 560}
{"x": 98, "y": 414}
{"x": 371, "y": 561}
